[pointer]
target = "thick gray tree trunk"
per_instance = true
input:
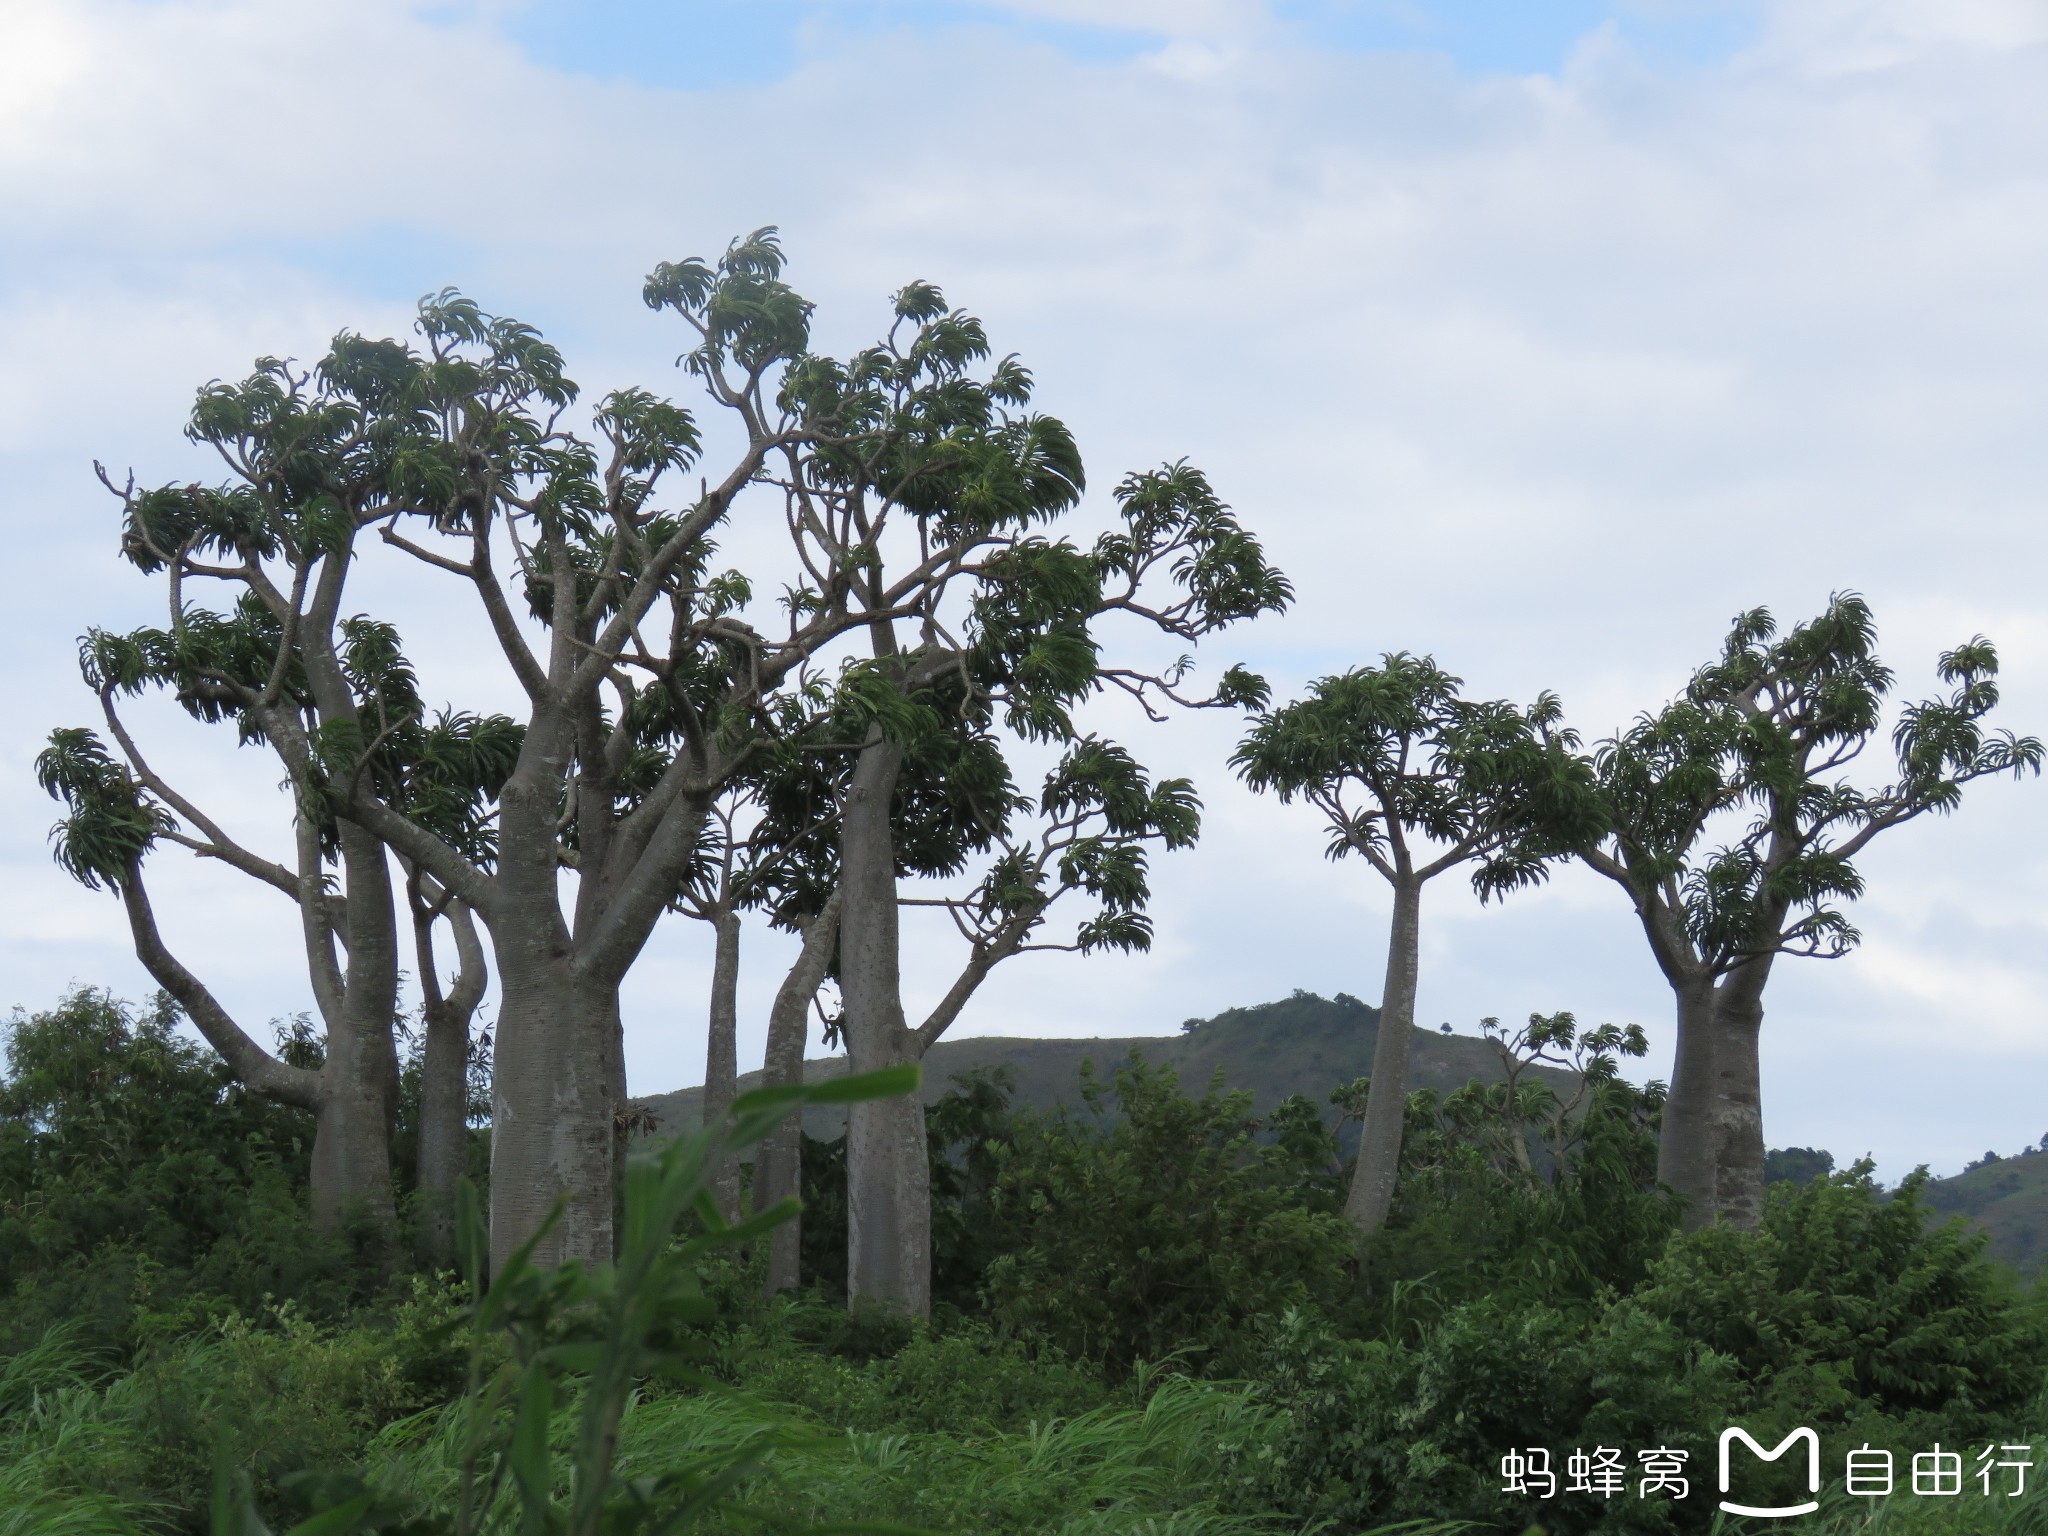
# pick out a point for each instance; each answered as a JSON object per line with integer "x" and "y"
{"x": 359, "y": 1083}
{"x": 558, "y": 1086}
{"x": 351, "y": 1162}
{"x": 443, "y": 1152}
{"x": 889, "y": 1202}
{"x": 888, "y": 1177}
{"x": 1386, "y": 1104}
{"x": 722, "y": 1052}
{"x": 554, "y": 1096}
{"x": 1736, "y": 1118}
{"x": 778, "y": 1165}
{"x": 1735, "y": 1112}
{"x": 1685, "y": 1138}
{"x": 1711, "y": 1143}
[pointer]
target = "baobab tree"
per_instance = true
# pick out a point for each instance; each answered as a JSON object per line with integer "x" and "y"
{"x": 461, "y": 444}
{"x": 1418, "y": 781}
{"x": 649, "y": 681}
{"x": 1083, "y": 838}
{"x": 237, "y": 666}
{"x": 1767, "y": 736}
{"x": 1000, "y": 866}
{"x": 922, "y": 512}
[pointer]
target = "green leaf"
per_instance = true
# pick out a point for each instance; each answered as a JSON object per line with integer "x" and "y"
{"x": 887, "y": 1083}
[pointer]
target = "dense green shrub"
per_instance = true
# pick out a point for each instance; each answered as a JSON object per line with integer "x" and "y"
{"x": 282, "y": 1390}
{"x": 1848, "y": 1306}
{"x": 142, "y": 1191}
{"x": 1846, "y": 1312}
{"x": 1370, "y": 1432}
{"x": 964, "y": 1379}
{"x": 961, "y": 1127}
{"x": 166, "y": 1296}
{"x": 1156, "y": 1223}
{"x": 1578, "y": 1217}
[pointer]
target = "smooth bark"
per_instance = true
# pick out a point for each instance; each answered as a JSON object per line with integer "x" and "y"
{"x": 1386, "y": 1105}
{"x": 558, "y": 1092}
{"x": 1710, "y": 1147}
{"x": 778, "y": 1165}
{"x": 1735, "y": 1112}
{"x": 888, "y": 1179}
{"x": 443, "y": 1152}
{"x": 554, "y": 1097}
{"x": 889, "y": 1207}
{"x": 722, "y": 1052}
{"x": 1685, "y": 1143}
{"x": 1688, "y": 1159}
{"x": 359, "y": 1082}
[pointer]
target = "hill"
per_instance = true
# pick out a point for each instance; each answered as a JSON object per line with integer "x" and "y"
{"x": 1301, "y": 1044}
{"x": 1308, "y": 1044}
{"x": 2008, "y": 1198}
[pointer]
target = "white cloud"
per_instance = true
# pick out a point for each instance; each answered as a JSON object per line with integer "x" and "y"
{"x": 48, "y": 52}
{"x": 1853, "y": 36}
{"x": 1547, "y": 375}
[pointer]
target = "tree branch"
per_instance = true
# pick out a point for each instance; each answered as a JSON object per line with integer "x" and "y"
{"x": 255, "y": 1067}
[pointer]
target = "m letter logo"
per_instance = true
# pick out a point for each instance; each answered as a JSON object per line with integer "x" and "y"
{"x": 1783, "y": 1511}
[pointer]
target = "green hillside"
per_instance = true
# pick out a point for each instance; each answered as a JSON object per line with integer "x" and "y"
{"x": 1301, "y": 1044}
{"x": 2008, "y": 1198}
{"x": 1308, "y": 1044}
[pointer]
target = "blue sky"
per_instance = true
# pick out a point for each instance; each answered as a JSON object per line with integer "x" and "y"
{"x": 1539, "y": 337}
{"x": 697, "y": 44}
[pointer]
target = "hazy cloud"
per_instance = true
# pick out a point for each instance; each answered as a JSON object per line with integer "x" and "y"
{"x": 1546, "y": 374}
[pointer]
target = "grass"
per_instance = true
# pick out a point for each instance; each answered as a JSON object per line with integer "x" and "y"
{"x": 1903, "y": 1514}
{"x": 83, "y": 1450}
{"x": 1143, "y": 1470}
{"x": 87, "y": 1450}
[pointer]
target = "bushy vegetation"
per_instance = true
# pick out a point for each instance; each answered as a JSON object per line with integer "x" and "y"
{"x": 1153, "y": 1320}
{"x": 1194, "y": 1225}
{"x": 142, "y": 1191}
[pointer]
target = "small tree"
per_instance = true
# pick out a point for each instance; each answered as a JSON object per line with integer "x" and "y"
{"x": 647, "y": 690}
{"x": 748, "y": 860}
{"x": 712, "y": 893}
{"x": 240, "y": 666}
{"x": 1417, "y": 781}
{"x": 1765, "y": 735}
{"x": 997, "y": 864}
{"x": 779, "y": 1166}
{"x": 1522, "y": 1103}
{"x": 925, "y": 511}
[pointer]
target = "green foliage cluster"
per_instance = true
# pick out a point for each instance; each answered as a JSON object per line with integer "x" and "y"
{"x": 876, "y": 1372}
{"x": 1845, "y": 1312}
{"x": 1558, "y": 1202}
{"x": 1153, "y": 1320}
{"x": 142, "y": 1191}
{"x": 287, "y": 1392}
{"x": 1156, "y": 1223}
{"x": 1847, "y": 1307}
